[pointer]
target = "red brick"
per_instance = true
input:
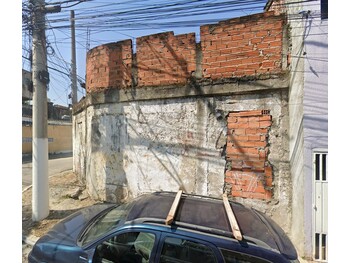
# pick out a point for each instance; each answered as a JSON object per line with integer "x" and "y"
{"x": 241, "y": 138}
{"x": 264, "y": 124}
{"x": 235, "y": 150}
{"x": 239, "y": 125}
{"x": 254, "y": 124}
{"x": 236, "y": 193}
{"x": 265, "y": 118}
{"x": 250, "y": 144}
{"x": 232, "y": 119}
{"x": 268, "y": 171}
{"x": 238, "y": 147}
{"x": 262, "y": 154}
{"x": 254, "y": 137}
{"x": 251, "y": 131}
{"x": 236, "y": 164}
{"x": 246, "y": 113}
{"x": 268, "y": 181}
{"x": 254, "y": 164}
{"x": 242, "y": 156}
{"x": 230, "y": 180}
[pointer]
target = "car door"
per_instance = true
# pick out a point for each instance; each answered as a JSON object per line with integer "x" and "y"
{"x": 128, "y": 246}
{"x": 175, "y": 248}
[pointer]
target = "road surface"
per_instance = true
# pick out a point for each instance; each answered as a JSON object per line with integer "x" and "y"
{"x": 56, "y": 165}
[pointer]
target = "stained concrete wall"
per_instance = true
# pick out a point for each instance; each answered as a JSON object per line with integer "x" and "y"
{"x": 126, "y": 145}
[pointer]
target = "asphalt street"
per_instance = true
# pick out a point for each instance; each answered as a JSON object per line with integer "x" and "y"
{"x": 57, "y": 164}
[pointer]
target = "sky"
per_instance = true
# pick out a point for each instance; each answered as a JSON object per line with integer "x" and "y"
{"x": 98, "y": 22}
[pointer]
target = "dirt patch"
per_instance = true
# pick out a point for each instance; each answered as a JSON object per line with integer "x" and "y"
{"x": 66, "y": 196}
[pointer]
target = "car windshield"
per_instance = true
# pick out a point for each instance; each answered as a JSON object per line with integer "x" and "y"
{"x": 105, "y": 223}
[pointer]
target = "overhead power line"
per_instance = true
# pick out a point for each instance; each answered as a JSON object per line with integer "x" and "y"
{"x": 127, "y": 19}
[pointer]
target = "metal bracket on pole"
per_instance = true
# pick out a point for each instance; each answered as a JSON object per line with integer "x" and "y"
{"x": 44, "y": 76}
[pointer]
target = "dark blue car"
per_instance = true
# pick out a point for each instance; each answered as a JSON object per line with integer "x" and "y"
{"x": 166, "y": 227}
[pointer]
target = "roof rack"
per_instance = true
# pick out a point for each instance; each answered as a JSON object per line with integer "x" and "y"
{"x": 172, "y": 211}
{"x": 232, "y": 219}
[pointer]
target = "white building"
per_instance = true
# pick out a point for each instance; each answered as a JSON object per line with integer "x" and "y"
{"x": 308, "y": 111}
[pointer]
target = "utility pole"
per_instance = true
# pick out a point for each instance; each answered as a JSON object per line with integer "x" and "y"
{"x": 40, "y": 77}
{"x": 74, "y": 60}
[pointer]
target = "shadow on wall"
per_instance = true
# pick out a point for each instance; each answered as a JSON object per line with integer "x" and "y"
{"x": 105, "y": 175}
{"x": 152, "y": 147}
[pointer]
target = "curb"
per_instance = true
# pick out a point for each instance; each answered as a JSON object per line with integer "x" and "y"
{"x": 31, "y": 240}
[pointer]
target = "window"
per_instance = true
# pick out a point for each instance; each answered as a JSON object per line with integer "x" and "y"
{"x": 320, "y": 205}
{"x": 176, "y": 250}
{"x": 324, "y": 9}
{"x": 105, "y": 223}
{"x": 124, "y": 248}
{"x": 235, "y": 257}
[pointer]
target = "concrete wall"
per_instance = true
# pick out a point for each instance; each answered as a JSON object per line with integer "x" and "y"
{"x": 308, "y": 109}
{"x": 59, "y": 136}
{"x": 128, "y": 147}
{"x": 158, "y": 119}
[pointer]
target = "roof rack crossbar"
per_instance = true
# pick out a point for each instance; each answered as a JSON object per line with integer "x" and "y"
{"x": 172, "y": 211}
{"x": 232, "y": 219}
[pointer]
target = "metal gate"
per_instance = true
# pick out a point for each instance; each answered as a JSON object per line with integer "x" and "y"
{"x": 320, "y": 207}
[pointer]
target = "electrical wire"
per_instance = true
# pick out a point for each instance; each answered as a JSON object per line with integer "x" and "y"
{"x": 129, "y": 18}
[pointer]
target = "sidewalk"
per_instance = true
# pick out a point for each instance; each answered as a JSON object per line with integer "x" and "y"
{"x": 65, "y": 197}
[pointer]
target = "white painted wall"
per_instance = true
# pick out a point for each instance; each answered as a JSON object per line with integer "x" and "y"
{"x": 308, "y": 108}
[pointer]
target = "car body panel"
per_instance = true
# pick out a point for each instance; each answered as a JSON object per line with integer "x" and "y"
{"x": 61, "y": 241}
{"x": 198, "y": 219}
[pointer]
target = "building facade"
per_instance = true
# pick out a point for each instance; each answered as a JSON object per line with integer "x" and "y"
{"x": 244, "y": 111}
{"x": 308, "y": 128}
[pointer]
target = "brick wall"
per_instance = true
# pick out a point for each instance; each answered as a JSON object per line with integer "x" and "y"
{"x": 248, "y": 173}
{"x": 165, "y": 58}
{"x": 109, "y": 66}
{"x": 245, "y": 46}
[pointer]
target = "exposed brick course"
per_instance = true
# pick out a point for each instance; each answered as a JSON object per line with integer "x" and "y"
{"x": 250, "y": 45}
{"x": 249, "y": 173}
{"x": 109, "y": 66}
{"x": 239, "y": 47}
{"x": 164, "y": 59}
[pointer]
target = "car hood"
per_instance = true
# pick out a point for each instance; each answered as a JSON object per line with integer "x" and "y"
{"x": 61, "y": 241}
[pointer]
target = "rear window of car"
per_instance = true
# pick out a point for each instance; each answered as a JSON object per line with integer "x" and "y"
{"x": 236, "y": 257}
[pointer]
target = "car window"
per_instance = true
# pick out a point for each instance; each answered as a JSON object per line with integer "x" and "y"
{"x": 105, "y": 223}
{"x": 125, "y": 248}
{"x": 236, "y": 257}
{"x": 177, "y": 250}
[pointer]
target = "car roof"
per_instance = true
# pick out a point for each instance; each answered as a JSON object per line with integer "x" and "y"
{"x": 208, "y": 214}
